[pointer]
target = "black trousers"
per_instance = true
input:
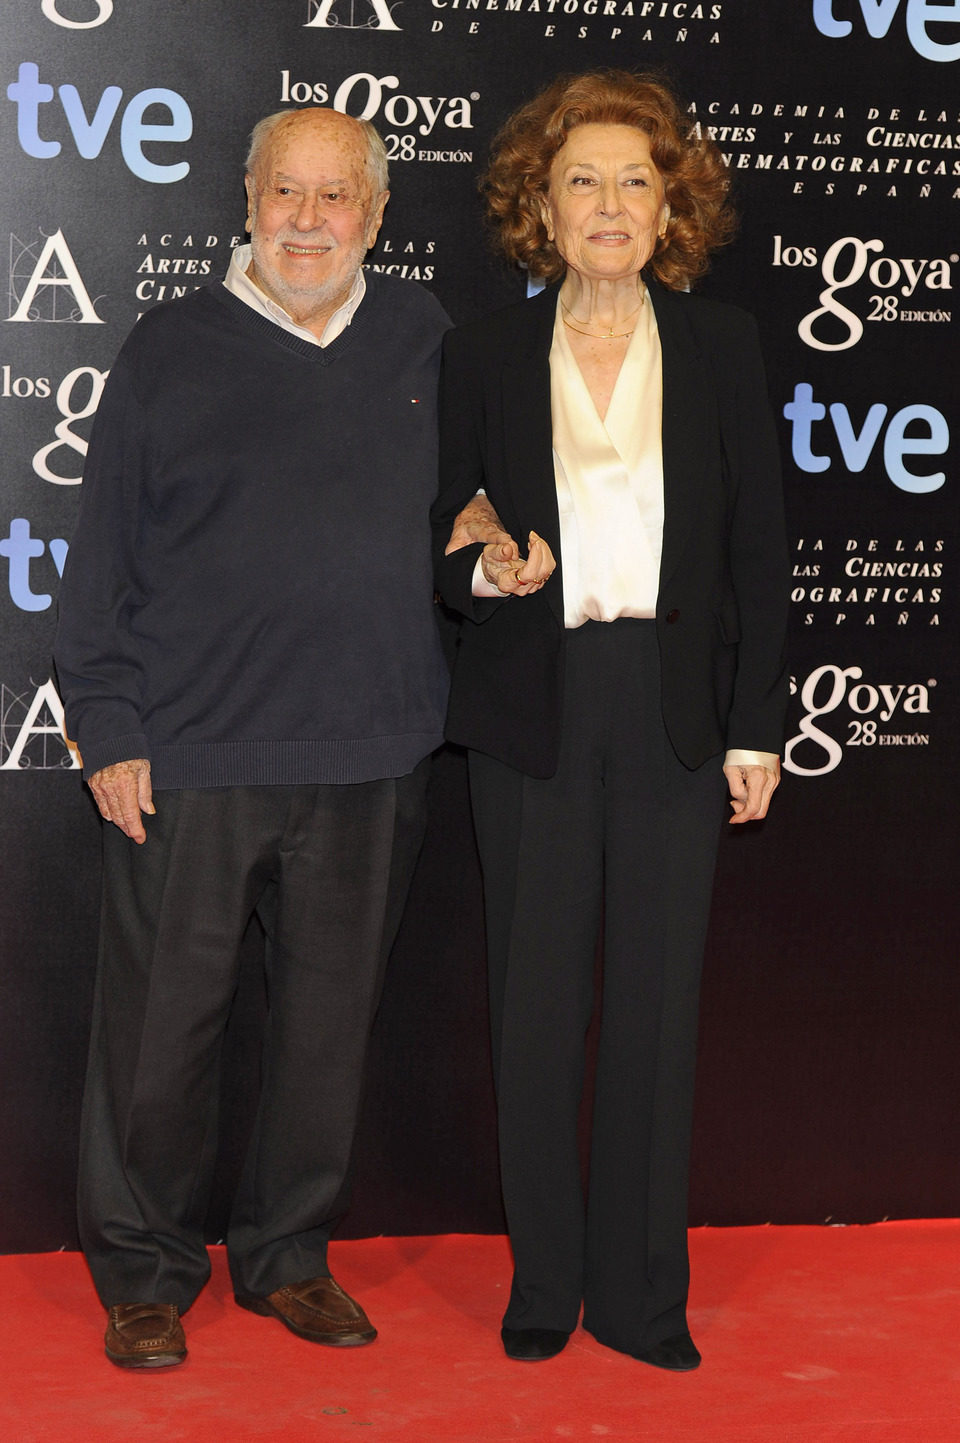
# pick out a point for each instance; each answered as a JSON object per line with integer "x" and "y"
{"x": 623, "y": 833}
{"x": 328, "y": 869}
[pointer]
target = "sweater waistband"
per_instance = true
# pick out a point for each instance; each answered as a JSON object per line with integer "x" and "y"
{"x": 337, "y": 761}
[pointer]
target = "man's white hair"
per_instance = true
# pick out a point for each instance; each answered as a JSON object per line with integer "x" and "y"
{"x": 262, "y": 134}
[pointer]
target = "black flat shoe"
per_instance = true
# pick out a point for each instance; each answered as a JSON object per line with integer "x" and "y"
{"x": 678, "y": 1354}
{"x": 532, "y": 1345}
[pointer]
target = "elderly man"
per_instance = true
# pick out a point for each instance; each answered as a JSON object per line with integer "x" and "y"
{"x": 248, "y": 656}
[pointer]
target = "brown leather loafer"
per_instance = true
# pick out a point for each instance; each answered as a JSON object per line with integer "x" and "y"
{"x": 145, "y": 1335}
{"x": 317, "y": 1309}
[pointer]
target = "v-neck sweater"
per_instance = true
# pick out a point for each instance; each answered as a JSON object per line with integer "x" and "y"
{"x": 248, "y": 595}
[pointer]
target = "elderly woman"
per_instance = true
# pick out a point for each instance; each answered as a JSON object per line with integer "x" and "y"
{"x": 620, "y": 426}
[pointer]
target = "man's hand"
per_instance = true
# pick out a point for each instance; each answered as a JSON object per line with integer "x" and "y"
{"x": 479, "y": 522}
{"x": 750, "y": 790}
{"x": 122, "y": 791}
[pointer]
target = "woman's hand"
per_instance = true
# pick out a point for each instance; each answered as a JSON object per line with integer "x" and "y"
{"x": 751, "y": 788}
{"x": 504, "y": 568}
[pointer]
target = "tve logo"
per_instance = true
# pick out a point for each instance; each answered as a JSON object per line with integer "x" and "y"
{"x": 929, "y": 436}
{"x": 878, "y": 16}
{"x": 21, "y": 548}
{"x": 29, "y": 93}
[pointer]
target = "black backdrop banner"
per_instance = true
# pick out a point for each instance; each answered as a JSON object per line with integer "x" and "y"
{"x": 829, "y": 1077}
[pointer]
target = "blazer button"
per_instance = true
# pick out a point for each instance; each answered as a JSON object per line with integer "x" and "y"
{"x": 673, "y": 616}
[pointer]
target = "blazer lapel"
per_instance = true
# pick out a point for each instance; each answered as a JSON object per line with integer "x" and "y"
{"x": 525, "y": 397}
{"x": 690, "y": 425}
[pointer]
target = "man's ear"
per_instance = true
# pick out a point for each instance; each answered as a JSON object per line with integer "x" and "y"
{"x": 376, "y": 218}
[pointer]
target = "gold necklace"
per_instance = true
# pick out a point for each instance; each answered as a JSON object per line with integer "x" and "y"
{"x": 611, "y": 334}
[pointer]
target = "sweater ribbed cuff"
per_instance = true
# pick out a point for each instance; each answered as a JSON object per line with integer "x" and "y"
{"x": 127, "y": 748}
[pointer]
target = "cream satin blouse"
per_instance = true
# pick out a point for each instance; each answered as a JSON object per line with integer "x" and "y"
{"x": 609, "y": 478}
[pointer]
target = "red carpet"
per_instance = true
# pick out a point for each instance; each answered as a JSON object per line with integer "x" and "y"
{"x": 809, "y": 1335}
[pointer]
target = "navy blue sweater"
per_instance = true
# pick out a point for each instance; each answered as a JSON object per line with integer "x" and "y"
{"x": 248, "y": 595}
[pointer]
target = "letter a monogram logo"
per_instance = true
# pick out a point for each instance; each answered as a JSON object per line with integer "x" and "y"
{"x": 350, "y": 15}
{"x": 48, "y": 286}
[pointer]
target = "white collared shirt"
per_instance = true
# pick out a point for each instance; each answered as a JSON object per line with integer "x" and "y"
{"x": 241, "y": 285}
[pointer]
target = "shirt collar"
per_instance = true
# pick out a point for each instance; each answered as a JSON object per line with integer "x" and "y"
{"x": 240, "y": 284}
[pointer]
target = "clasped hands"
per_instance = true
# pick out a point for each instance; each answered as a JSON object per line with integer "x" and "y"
{"x": 500, "y": 561}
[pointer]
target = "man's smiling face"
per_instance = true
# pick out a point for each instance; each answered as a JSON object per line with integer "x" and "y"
{"x": 313, "y": 212}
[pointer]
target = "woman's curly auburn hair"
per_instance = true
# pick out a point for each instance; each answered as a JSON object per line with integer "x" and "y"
{"x": 695, "y": 178}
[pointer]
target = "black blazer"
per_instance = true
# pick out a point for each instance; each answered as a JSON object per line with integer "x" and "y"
{"x": 724, "y": 588}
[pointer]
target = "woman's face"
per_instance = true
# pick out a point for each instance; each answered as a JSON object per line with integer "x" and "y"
{"x": 605, "y": 205}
